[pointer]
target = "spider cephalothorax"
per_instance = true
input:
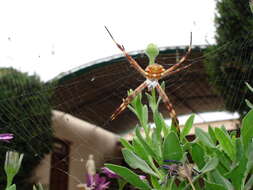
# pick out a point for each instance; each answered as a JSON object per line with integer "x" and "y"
{"x": 152, "y": 73}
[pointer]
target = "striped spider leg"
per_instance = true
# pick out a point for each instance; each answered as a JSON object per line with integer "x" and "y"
{"x": 175, "y": 67}
{"x": 129, "y": 58}
{"x": 128, "y": 100}
{"x": 153, "y": 72}
{"x": 169, "y": 106}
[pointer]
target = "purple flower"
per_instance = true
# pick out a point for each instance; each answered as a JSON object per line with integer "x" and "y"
{"x": 109, "y": 173}
{"x": 6, "y": 137}
{"x": 112, "y": 174}
{"x": 95, "y": 182}
{"x": 142, "y": 177}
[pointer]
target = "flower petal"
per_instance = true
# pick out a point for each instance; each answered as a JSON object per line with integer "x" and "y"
{"x": 142, "y": 177}
{"x": 6, "y": 137}
{"x": 109, "y": 173}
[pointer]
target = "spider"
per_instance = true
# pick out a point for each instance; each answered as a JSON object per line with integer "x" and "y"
{"x": 153, "y": 72}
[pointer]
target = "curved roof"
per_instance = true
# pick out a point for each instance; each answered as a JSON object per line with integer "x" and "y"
{"x": 94, "y": 90}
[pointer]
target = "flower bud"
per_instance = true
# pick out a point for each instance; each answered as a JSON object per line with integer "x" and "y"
{"x": 12, "y": 165}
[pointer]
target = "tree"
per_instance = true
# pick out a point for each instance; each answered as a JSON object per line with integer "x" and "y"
{"x": 25, "y": 111}
{"x": 229, "y": 62}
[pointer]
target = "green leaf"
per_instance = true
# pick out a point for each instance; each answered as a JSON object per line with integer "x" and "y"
{"x": 172, "y": 149}
{"x": 146, "y": 146}
{"x": 213, "y": 186}
{"x": 155, "y": 182}
{"x": 249, "y": 184}
{"x": 204, "y": 138}
{"x": 152, "y": 103}
{"x": 129, "y": 176}
{"x": 198, "y": 155}
{"x": 247, "y": 129}
{"x": 157, "y": 133}
{"x": 136, "y": 162}
{"x": 224, "y": 130}
{"x": 12, "y": 187}
{"x": 212, "y": 134}
{"x": 251, "y": 6}
{"x": 182, "y": 185}
{"x": 139, "y": 105}
{"x": 126, "y": 144}
{"x": 165, "y": 127}
{"x": 210, "y": 165}
{"x": 158, "y": 123}
{"x": 38, "y": 187}
{"x": 139, "y": 149}
{"x": 223, "y": 159}
{"x": 233, "y": 134}
{"x": 248, "y": 85}
{"x": 145, "y": 114}
{"x": 187, "y": 127}
{"x": 133, "y": 110}
{"x": 239, "y": 149}
{"x": 237, "y": 174}
{"x": 121, "y": 183}
{"x": 249, "y": 155}
{"x": 186, "y": 145}
{"x": 156, "y": 144}
{"x": 219, "y": 179}
{"x": 226, "y": 143}
{"x": 249, "y": 104}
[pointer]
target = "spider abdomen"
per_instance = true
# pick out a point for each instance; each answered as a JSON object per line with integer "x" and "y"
{"x": 154, "y": 71}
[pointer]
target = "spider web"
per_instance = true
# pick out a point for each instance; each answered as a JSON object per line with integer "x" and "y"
{"x": 171, "y": 83}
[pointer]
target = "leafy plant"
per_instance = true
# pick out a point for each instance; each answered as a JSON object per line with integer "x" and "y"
{"x": 229, "y": 61}
{"x": 150, "y": 152}
{"x": 216, "y": 159}
{"x": 234, "y": 167}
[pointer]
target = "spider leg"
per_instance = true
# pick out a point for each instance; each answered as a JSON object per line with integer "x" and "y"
{"x": 169, "y": 106}
{"x": 182, "y": 60}
{"x": 128, "y": 100}
{"x": 179, "y": 69}
{"x": 129, "y": 58}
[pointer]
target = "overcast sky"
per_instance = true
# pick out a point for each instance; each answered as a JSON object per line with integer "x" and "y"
{"x": 50, "y": 36}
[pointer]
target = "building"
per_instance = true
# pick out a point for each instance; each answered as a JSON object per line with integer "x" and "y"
{"x": 75, "y": 140}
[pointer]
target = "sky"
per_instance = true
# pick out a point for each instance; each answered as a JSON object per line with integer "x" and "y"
{"x": 49, "y": 37}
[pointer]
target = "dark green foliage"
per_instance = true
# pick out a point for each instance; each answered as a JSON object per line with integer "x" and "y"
{"x": 25, "y": 111}
{"x": 229, "y": 62}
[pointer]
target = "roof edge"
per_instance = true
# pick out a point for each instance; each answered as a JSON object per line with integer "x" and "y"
{"x": 75, "y": 72}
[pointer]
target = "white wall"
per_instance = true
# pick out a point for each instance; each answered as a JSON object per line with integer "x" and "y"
{"x": 85, "y": 139}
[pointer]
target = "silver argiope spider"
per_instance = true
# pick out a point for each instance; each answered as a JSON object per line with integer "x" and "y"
{"x": 152, "y": 73}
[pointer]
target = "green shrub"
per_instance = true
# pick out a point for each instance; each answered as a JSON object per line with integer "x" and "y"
{"x": 25, "y": 112}
{"x": 229, "y": 62}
